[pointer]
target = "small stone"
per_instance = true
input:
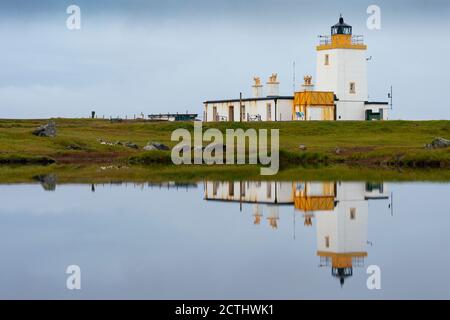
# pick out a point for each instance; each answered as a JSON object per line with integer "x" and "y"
{"x": 337, "y": 151}
{"x": 302, "y": 147}
{"x": 156, "y": 146}
{"x": 46, "y": 130}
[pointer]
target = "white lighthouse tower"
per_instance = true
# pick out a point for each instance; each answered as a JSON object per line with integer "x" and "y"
{"x": 342, "y": 69}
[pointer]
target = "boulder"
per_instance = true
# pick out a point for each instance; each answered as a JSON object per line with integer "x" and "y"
{"x": 156, "y": 146}
{"x": 438, "y": 143}
{"x": 46, "y": 130}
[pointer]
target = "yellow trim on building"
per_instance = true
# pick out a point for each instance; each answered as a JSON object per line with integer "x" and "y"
{"x": 342, "y": 260}
{"x": 315, "y": 203}
{"x": 317, "y": 99}
{"x": 341, "y": 41}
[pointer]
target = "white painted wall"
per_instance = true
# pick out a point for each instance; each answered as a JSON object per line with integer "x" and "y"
{"x": 350, "y": 110}
{"x": 253, "y": 107}
{"x": 345, "y": 66}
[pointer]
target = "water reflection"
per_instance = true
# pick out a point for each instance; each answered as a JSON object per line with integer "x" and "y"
{"x": 340, "y": 209}
{"x": 212, "y": 239}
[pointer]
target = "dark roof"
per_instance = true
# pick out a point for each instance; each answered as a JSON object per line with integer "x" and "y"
{"x": 375, "y": 102}
{"x": 341, "y": 23}
{"x": 341, "y": 28}
{"x": 269, "y": 98}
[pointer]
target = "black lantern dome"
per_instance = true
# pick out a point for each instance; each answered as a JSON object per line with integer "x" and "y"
{"x": 341, "y": 28}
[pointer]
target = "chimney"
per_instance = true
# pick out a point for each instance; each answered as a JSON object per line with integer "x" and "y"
{"x": 257, "y": 88}
{"x": 273, "y": 86}
{"x": 307, "y": 85}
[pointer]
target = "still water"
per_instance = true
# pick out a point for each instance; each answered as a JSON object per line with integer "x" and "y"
{"x": 222, "y": 240}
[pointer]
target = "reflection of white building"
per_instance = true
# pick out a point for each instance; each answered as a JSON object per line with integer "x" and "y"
{"x": 262, "y": 192}
{"x": 341, "y": 212}
{"x": 265, "y": 195}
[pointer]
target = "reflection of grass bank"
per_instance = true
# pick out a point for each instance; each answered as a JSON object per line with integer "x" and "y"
{"x": 18, "y": 159}
{"x": 286, "y": 158}
{"x": 390, "y": 143}
{"x": 157, "y": 173}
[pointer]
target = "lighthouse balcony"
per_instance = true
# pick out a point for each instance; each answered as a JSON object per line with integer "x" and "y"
{"x": 341, "y": 41}
{"x": 328, "y": 40}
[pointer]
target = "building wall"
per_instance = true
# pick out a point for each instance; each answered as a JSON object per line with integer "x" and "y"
{"x": 350, "y": 110}
{"x": 283, "y": 110}
{"x": 345, "y": 66}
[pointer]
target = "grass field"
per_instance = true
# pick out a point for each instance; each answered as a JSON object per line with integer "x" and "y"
{"x": 389, "y": 143}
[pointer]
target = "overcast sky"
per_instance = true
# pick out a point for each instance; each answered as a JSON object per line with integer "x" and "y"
{"x": 138, "y": 56}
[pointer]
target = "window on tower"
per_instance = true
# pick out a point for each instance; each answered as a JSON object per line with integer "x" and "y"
{"x": 327, "y": 59}
{"x": 352, "y": 213}
{"x": 352, "y": 87}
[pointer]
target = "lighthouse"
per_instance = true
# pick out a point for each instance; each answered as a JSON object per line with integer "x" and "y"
{"x": 341, "y": 67}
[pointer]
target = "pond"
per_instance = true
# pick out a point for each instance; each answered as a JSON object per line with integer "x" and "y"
{"x": 226, "y": 240}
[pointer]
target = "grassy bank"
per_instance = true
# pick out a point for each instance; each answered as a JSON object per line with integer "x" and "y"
{"x": 391, "y": 143}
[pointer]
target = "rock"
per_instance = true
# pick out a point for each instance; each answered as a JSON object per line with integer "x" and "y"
{"x": 48, "y": 181}
{"x": 302, "y": 147}
{"x": 337, "y": 150}
{"x": 46, "y": 130}
{"x": 131, "y": 145}
{"x": 156, "y": 146}
{"x": 438, "y": 143}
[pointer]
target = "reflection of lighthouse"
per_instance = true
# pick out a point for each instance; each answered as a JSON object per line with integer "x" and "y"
{"x": 342, "y": 233}
{"x": 341, "y": 212}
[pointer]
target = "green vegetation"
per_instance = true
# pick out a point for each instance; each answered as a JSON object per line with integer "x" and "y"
{"x": 192, "y": 173}
{"x": 389, "y": 143}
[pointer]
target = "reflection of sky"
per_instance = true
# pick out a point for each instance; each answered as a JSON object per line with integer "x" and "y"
{"x": 158, "y": 243}
{"x": 132, "y": 56}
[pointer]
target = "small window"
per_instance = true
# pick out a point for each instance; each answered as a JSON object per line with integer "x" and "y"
{"x": 269, "y": 190}
{"x": 327, "y": 241}
{"x": 231, "y": 189}
{"x": 242, "y": 189}
{"x": 327, "y": 59}
{"x": 215, "y": 116}
{"x": 352, "y": 213}
{"x": 352, "y": 87}
{"x": 215, "y": 187}
{"x": 269, "y": 112}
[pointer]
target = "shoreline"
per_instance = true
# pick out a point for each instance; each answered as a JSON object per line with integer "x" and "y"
{"x": 396, "y": 144}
